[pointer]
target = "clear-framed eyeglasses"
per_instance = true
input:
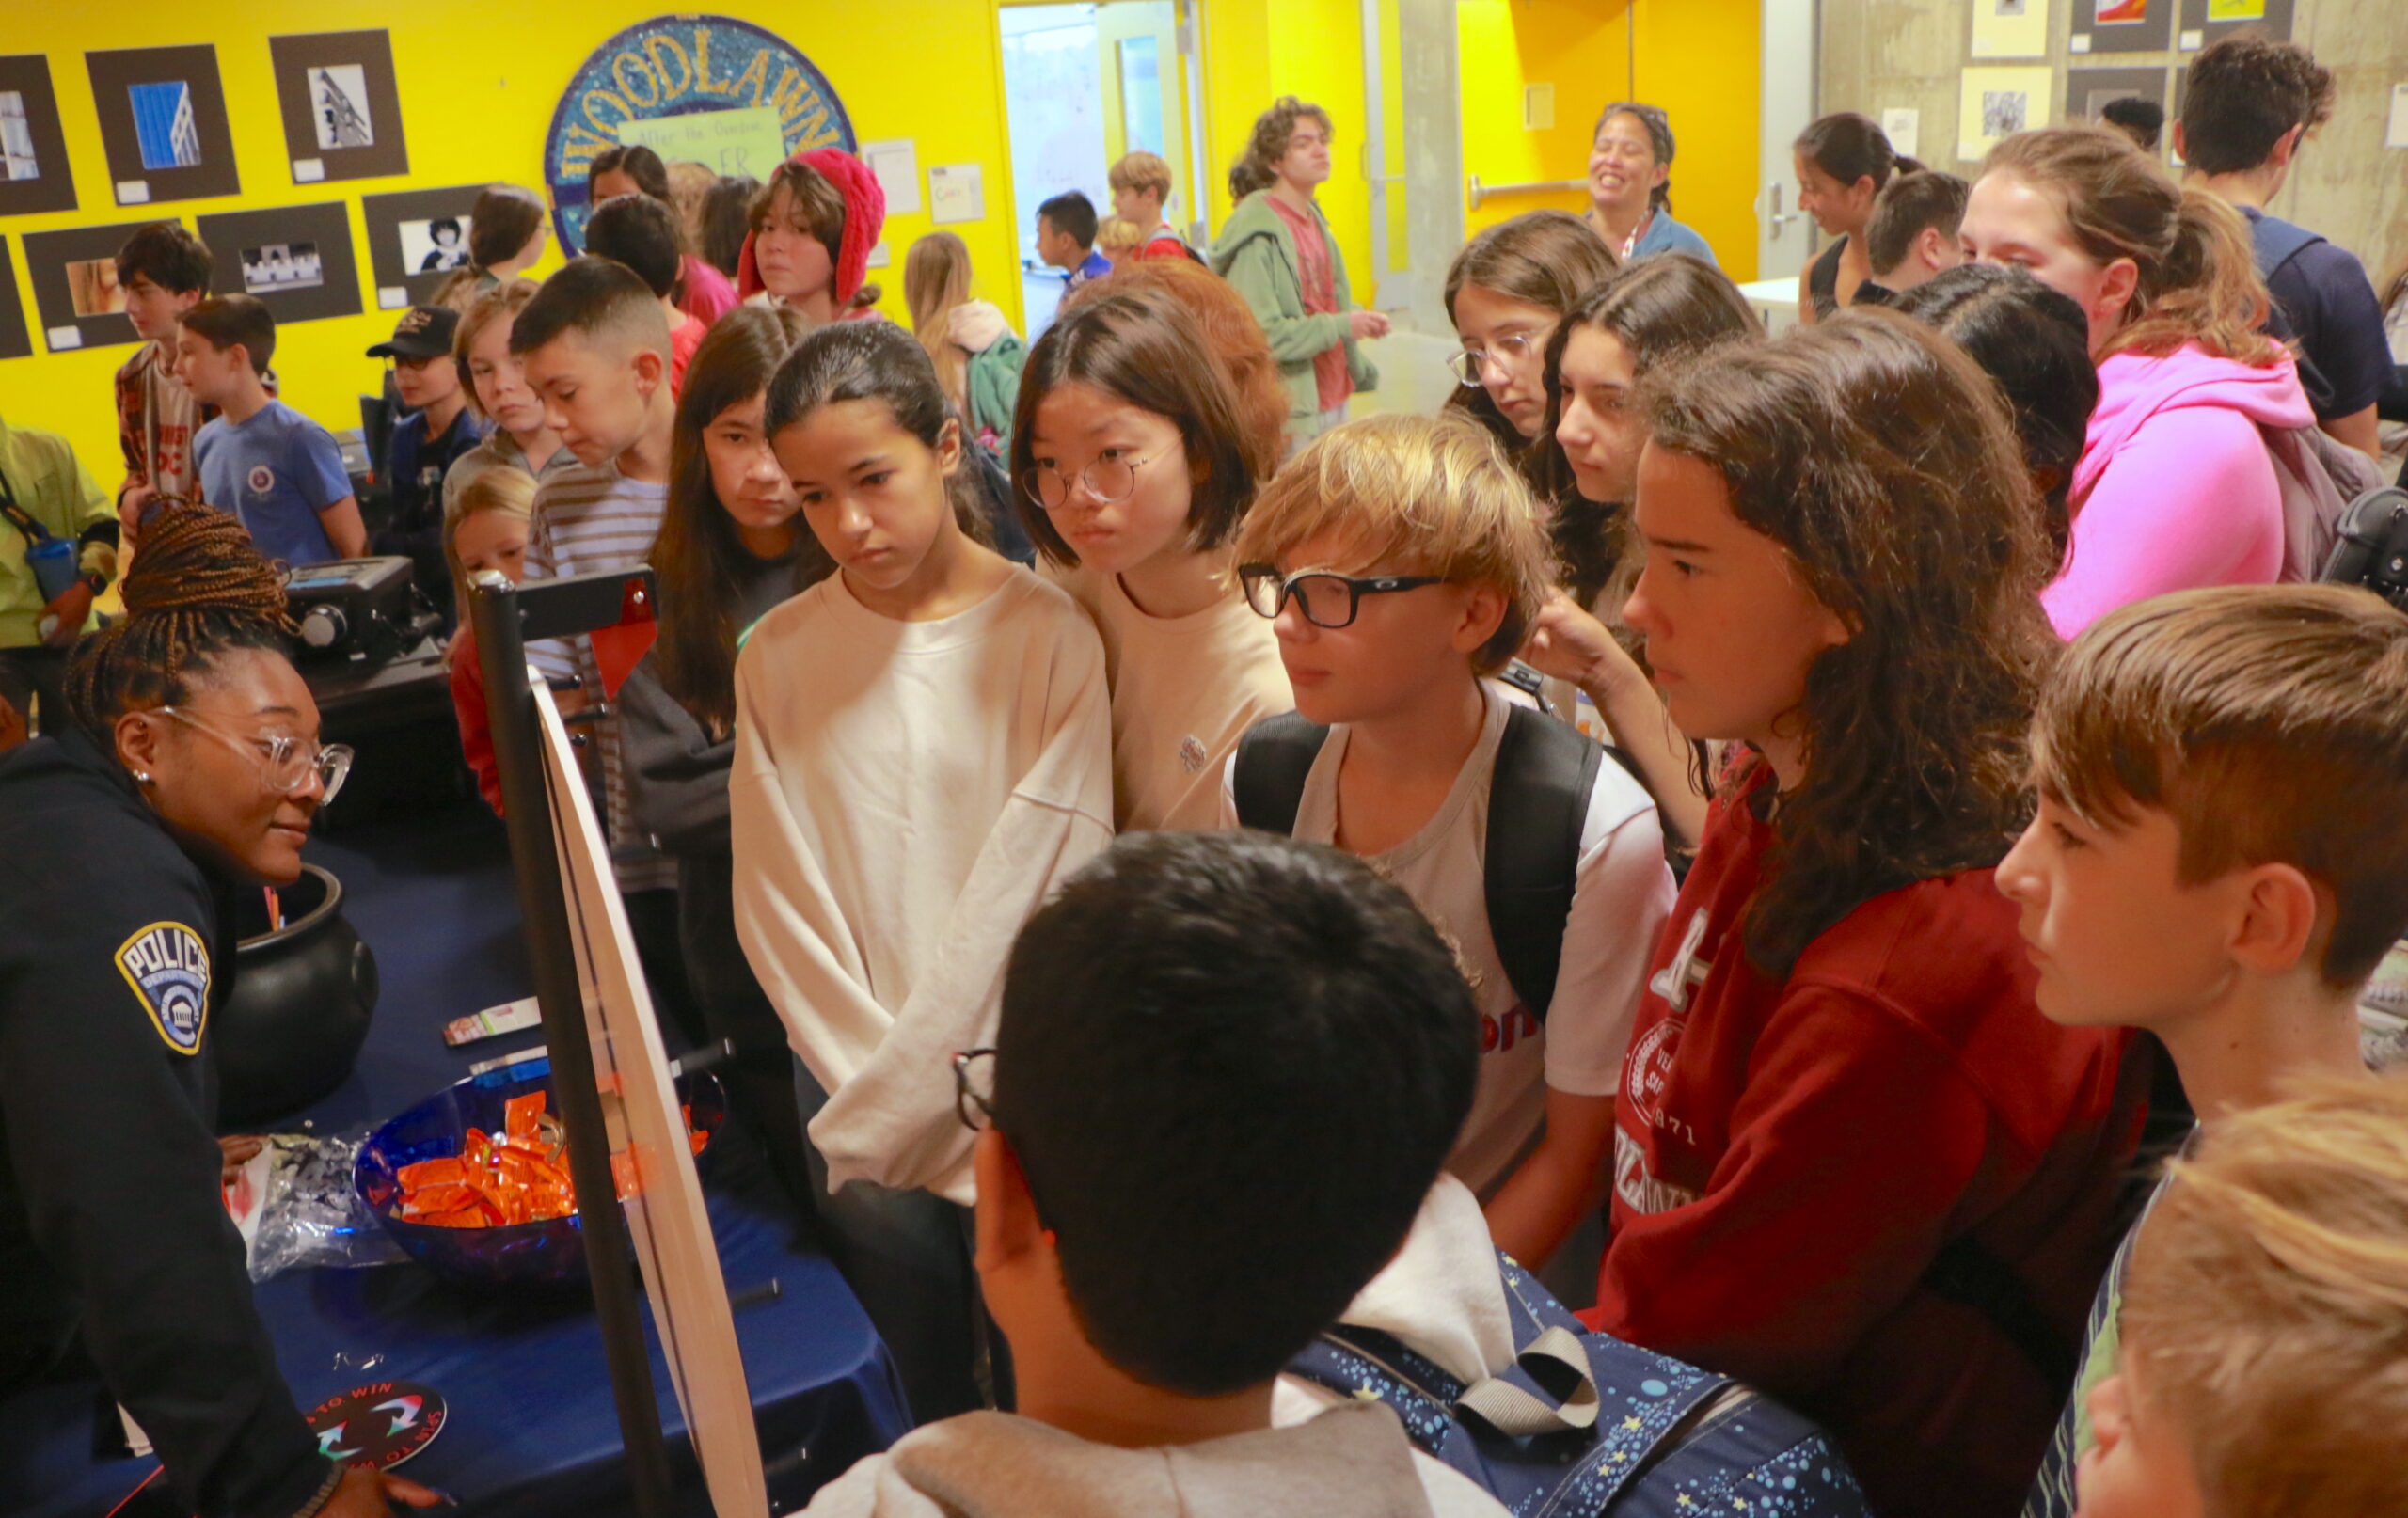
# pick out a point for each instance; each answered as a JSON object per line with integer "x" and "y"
{"x": 1510, "y": 349}
{"x": 285, "y": 763}
{"x": 1110, "y": 479}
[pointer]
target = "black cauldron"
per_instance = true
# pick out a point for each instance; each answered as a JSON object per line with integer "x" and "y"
{"x": 303, "y": 994}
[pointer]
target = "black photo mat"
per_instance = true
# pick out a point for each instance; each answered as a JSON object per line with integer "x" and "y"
{"x": 309, "y": 272}
{"x": 48, "y": 258}
{"x": 2121, "y": 26}
{"x": 2275, "y": 22}
{"x": 51, "y": 187}
{"x": 193, "y": 145}
{"x": 2086, "y": 89}
{"x": 15, "y": 341}
{"x": 326, "y": 117}
{"x": 386, "y": 215}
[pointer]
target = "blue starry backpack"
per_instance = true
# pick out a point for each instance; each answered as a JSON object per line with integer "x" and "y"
{"x": 1584, "y": 1426}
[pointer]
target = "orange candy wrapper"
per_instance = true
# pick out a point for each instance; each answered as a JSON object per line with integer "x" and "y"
{"x": 522, "y": 1176}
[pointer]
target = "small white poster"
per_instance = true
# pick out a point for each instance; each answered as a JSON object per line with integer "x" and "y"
{"x": 1903, "y": 126}
{"x": 897, "y": 164}
{"x": 2396, "y": 134}
{"x": 956, "y": 193}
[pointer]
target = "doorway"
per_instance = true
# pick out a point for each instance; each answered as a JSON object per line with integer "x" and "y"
{"x": 1084, "y": 84}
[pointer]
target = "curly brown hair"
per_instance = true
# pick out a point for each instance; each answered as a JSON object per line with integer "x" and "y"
{"x": 1882, "y": 462}
{"x": 1257, "y": 169}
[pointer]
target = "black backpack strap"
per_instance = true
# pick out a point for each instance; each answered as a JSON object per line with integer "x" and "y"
{"x": 1274, "y": 758}
{"x": 1538, "y": 803}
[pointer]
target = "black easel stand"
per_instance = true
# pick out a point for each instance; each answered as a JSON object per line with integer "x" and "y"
{"x": 507, "y": 618}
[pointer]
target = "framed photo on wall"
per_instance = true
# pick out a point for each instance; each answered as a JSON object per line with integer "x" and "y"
{"x": 75, "y": 289}
{"x": 297, "y": 259}
{"x": 33, "y": 151}
{"x": 415, "y": 240}
{"x": 343, "y": 109}
{"x": 2121, "y": 26}
{"x": 15, "y": 342}
{"x": 163, "y": 124}
{"x": 2088, "y": 90}
{"x": 2208, "y": 21}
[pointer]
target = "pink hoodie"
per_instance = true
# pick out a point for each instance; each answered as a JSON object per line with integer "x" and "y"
{"x": 2174, "y": 489}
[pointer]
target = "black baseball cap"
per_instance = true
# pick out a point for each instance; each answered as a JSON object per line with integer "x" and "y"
{"x": 424, "y": 332}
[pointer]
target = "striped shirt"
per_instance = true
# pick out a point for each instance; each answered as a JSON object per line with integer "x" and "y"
{"x": 588, "y": 520}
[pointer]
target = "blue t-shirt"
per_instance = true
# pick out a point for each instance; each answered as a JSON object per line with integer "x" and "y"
{"x": 1662, "y": 234}
{"x": 2328, "y": 305}
{"x": 277, "y": 471}
{"x": 1095, "y": 267}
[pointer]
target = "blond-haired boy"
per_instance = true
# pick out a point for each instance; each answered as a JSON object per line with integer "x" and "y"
{"x": 1402, "y": 559}
{"x": 1141, "y": 187}
{"x": 2265, "y": 1367}
{"x": 2219, "y": 857}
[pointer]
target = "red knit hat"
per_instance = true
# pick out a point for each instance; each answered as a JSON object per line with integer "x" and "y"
{"x": 864, "y": 218}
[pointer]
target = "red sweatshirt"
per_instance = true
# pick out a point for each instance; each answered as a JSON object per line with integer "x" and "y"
{"x": 1790, "y": 1155}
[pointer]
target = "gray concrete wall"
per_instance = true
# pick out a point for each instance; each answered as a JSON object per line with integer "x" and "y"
{"x": 1878, "y": 54}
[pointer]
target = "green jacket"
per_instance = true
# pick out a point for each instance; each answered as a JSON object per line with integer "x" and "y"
{"x": 1257, "y": 253}
{"x": 992, "y": 380}
{"x": 51, "y": 486}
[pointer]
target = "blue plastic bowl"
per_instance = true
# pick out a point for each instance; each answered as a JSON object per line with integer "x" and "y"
{"x": 551, "y": 1252}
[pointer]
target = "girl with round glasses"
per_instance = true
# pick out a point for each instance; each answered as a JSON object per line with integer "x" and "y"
{"x": 1505, "y": 292}
{"x": 190, "y": 769}
{"x": 1133, "y": 466}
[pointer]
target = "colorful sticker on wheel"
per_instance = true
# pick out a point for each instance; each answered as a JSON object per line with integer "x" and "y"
{"x": 378, "y": 1426}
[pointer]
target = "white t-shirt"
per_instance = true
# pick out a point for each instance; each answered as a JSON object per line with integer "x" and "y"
{"x": 1622, "y": 896}
{"x": 1185, "y": 689}
{"x": 903, "y": 796}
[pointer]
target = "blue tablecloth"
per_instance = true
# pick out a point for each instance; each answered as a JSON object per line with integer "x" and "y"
{"x": 531, "y": 1429}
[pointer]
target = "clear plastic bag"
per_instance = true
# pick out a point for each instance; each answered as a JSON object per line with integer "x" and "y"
{"x": 309, "y": 1214}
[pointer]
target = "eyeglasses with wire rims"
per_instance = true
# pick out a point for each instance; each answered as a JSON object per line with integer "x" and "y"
{"x": 1511, "y": 348}
{"x": 1328, "y": 599}
{"x": 285, "y": 763}
{"x": 1110, "y": 479}
{"x": 971, "y": 1100}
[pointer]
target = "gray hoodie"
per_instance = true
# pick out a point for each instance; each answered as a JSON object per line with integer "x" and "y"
{"x": 1351, "y": 1463}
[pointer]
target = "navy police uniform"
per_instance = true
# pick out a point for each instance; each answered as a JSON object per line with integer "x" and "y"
{"x": 115, "y": 952}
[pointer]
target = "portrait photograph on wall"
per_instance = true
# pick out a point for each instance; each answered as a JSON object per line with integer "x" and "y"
{"x": 341, "y": 105}
{"x": 297, "y": 259}
{"x": 163, "y": 124}
{"x": 33, "y": 150}
{"x": 416, "y": 238}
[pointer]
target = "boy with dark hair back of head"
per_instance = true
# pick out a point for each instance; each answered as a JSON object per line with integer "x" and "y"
{"x": 2140, "y": 120}
{"x": 1911, "y": 238}
{"x": 2219, "y": 857}
{"x": 2249, "y": 107}
{"x": 164, "y": 272}
{"x": 1228, "y": 1069}
{"x": 275, "y": 469}
{"x": 1401, "y": 560}
{"x": 2267, "y": 1320}
{"x": 596, "y": 349}
{"x": 1066, "y": 228}
{"x": 642, "y": 233}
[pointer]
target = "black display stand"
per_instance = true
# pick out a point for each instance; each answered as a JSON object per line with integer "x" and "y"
{"x": 507, "y": 618}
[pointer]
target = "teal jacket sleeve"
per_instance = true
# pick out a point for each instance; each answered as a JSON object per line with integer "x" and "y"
{"x": 1263, "y": 277}
{"x": 992, "y": 378}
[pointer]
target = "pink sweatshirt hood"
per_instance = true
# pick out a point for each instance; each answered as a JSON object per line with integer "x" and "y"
{"x": 2133, "y": 388}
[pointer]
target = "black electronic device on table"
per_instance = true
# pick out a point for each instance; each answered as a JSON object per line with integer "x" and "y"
{"x": 357, "y": 608}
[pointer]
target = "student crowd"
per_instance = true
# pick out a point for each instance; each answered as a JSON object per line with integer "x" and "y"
{"x": 1762, "y": 812}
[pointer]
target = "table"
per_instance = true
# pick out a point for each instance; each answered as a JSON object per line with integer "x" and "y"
{"x": 532, "y": 1432}
{"x": 1775, "y": 302}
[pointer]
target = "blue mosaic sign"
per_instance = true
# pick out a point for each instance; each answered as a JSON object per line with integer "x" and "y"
{"x": 682, "y": 66}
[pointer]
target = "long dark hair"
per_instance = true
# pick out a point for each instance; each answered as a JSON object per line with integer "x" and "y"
{"x": 1548, "y": 259}
{"x": 1852, "y": 147}
{"x": 1877, "y": 455}
{"x": 199, "y": 589}
{"x": 2033, "y": 342}
{"x": 698, "y": 557}
{"x": 876, "y": 361}
{"x": 1656, "y": 308}
{"x": 1140, "y": 347}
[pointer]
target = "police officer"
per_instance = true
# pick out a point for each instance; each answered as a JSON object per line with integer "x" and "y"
{"x": 189, "y": 765}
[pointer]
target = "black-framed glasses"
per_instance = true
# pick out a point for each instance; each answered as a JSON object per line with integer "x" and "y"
{"x": 971, "y": 1100}
{"x": 1110, "y": 479}
{"x": 1328, "y": 599}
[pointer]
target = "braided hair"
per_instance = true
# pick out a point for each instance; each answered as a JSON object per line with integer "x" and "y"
{"x": 198, "y": 589}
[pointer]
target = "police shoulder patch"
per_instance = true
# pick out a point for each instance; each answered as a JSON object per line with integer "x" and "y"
{"x": 168, "y": 966}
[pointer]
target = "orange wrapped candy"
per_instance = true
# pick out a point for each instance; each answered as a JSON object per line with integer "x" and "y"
{"x": 522, "y": 1176}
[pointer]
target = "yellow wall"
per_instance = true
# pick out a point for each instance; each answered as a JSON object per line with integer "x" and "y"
{"x": 1696, "y": 58}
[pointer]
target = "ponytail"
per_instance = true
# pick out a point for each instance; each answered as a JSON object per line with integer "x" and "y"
{"x": 2208, "y": 291}
{"x": 1852, "y": 147}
